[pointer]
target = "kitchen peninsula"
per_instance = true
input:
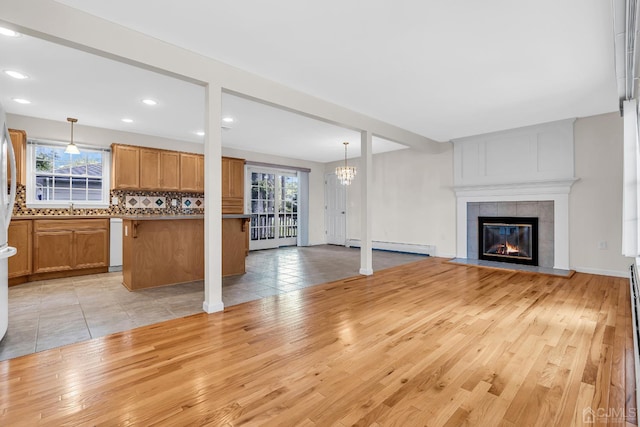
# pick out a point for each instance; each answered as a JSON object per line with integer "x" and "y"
{"x": 162, "y": 250}
{"x": 167, "y": 250}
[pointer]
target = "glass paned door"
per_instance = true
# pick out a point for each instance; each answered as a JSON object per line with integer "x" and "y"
{"x": 274, "y": 209}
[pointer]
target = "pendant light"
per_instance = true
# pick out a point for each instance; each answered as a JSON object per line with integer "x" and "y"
{"x": 72, "y": 148}
{"x": 345, "y": 173}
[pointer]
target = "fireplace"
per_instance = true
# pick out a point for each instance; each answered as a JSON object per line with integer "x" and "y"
{"x": 508, "y": 239}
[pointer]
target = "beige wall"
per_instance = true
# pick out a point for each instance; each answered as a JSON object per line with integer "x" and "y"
{"x": 595, "y": 202}
{"x": 412, "y": 199}
{"x": 316, "y": 186}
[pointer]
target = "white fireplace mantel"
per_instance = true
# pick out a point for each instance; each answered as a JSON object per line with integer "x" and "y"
{"x": 535, "y": 191}
{"x": 529, "y": 164}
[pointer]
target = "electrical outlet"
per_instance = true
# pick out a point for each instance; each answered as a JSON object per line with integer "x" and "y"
{"x": 602, "y": 245}
{"x": 114, "y": 200}
{"x": 174, "y": 202}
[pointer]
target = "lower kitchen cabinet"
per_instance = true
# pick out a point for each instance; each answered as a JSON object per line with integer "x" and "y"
{"x": 70, "y": 244}
{"x": 53, "y": 251}
{"x": 20, "y": 238}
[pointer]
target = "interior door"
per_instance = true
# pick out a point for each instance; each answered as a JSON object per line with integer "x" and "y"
{"x": 273, "y": 207}
{"x": 335, "y": 210}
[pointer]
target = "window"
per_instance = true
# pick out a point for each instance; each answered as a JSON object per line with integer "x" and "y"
{"x": 56, "y": 179}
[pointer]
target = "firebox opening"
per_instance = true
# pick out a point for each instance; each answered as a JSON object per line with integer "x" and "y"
{"x": 508, "y": 239}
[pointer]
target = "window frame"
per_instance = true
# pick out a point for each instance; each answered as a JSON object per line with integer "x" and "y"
{"x": 32, "y": 202}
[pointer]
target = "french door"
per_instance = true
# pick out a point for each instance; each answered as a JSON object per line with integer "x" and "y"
{"x": 273, "y": 207}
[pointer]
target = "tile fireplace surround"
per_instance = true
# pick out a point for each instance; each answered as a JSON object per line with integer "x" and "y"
{"x": 548, "y": 199}
{"x": 541, "y": 210}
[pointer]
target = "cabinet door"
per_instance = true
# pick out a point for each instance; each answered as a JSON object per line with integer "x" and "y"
{"x": 19, "y": 143}
{"x": 149, "y": 169}
{"x": 232, "y": 185}
{"x": 20, "y": 238}
{"x": 188, "y": 172}
{"x": 92, "y": 248}
{"x": 200, "y": 174}
{"x": 53, "y": 251}
{"x": 126, "y": 167}
{"x": 170, "y": 170}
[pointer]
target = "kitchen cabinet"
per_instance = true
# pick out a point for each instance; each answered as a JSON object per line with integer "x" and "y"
{"x": 141, "y": 168}
{"x": 19, "y": 143}
{"x": 190, "y": 179}
{"x": 125, "y": 167}
{"x": 232, "y": 185}
{"x": 200, "y": 174}
{"x": 20, "y": 235}
{"x": 149, "y": 169}
{"x": 60, "y": 245}
{"x": 170, "y": 170}
{"x": 235, "y": 244}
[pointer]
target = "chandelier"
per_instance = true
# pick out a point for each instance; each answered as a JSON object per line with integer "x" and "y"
{"x": 345, "y": 173}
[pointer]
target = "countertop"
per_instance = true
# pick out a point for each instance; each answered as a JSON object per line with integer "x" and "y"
{"x": 233, "y": 216}
{"x": 158, "y": 217}
{"x": 62, "y": 217}
{"x": 129, "y": 217}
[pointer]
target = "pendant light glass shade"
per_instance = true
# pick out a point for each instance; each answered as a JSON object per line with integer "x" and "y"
{"x": 346, "y": 173}
{"x": 72, "y": 148}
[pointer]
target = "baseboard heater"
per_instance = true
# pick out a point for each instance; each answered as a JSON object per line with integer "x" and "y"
{"x": 635, "y": 314}
{"x": 395, "y": 247}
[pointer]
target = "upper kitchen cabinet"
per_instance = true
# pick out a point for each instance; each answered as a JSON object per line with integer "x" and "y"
{"x": 232, "y": 185}
{"x": 149, "y": 169}
{"x": 159, "y": 170}
{"x": 19, "y": 143}
{"x": 191, "y": 172}
{"x": 170, "y": 170}
{"x": 125, "y": 167}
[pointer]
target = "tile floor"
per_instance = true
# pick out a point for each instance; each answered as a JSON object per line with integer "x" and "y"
{"x": 53, "y": 313}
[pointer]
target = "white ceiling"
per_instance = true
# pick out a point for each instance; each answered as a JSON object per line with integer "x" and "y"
{"x": 440, "y": 69}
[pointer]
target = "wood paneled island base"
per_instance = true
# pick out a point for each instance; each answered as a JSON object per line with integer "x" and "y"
{"x": 158, "y": 251}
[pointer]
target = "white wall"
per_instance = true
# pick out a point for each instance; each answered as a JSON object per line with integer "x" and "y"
{"x": 596, "y": 199}
{"x": 61, "y": 131}
{"x": 413, "y": 200}
{"x": 316, "y": 186}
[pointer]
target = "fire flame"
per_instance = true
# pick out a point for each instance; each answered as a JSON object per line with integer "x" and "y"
{"x": 510, "y": 249}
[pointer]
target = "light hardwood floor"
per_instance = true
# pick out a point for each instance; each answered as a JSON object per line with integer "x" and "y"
{"x": 429, "y": 343}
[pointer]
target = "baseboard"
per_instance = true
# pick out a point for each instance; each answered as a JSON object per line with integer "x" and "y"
{"x": 115, "y": 268}
{"x": 395, "y": 247}
{"x": 213, "y": 307}
{"x": 600, "y": 272}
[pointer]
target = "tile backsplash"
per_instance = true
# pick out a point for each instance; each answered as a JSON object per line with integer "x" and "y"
{"x": 129, "y": 203}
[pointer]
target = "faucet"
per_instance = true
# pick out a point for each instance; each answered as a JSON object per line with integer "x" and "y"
{"x": 71, "y": 208}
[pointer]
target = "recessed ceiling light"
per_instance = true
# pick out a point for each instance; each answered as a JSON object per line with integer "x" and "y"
{"x": 9, "y": 33}
{"x": 227, "y": 119}
{"x": 16, "y": 74}
{"x": 127, "y": 120}
{"x": 199, "y": 133}
{"x": 22, "y": 101}
{"x": 149, "y": 102}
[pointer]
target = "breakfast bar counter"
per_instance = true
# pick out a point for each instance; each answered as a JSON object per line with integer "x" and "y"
{"x": 162, "y": 250}
{"x": 169, "y": 249}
